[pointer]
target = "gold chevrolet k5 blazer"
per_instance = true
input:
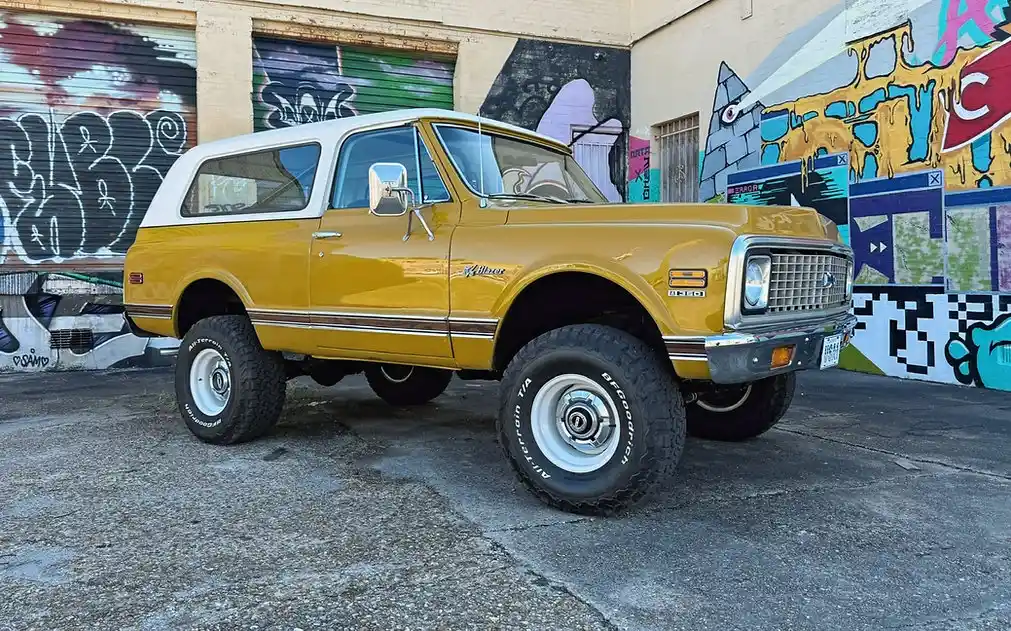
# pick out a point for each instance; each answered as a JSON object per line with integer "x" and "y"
{"x": 416, "y": 244}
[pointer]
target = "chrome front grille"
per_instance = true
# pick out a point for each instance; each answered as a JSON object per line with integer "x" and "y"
{"x": 806, "y": 282}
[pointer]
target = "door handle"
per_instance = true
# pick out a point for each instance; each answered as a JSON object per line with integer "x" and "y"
{"x": 326, "y": 235}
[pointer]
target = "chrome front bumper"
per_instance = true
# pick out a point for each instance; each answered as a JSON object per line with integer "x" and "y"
{"x": 744, "y": 356}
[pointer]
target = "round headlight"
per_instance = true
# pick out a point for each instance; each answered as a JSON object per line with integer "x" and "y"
{"x": 754, "y": 283}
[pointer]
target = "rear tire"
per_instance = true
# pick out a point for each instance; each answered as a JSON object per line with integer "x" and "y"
{"x": 229, "y": 389}
{"x": 591, "y": 419}
{"x": 746, "y": 413}
{"x": 407, "y": 385}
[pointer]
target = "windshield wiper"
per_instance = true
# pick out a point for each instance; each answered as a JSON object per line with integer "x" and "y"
{"x": 542, "y": 198}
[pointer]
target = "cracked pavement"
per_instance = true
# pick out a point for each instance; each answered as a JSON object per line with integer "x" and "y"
{"x": 877, "y": 504}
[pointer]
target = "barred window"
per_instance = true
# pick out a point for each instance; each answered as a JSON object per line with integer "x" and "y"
{"x": 679, "y": 159}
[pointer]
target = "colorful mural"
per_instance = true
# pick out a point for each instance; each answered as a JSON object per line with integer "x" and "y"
{"x": 982, "y": 357}
{"x": 70, "y": 321}
{"x": 643, "y": 179}
{"x": 822, "y": 183}
{"x": 915, "y": 94}
{"x": 577, "y": 94}
{"x": 300, "y": 82}
{"x": 92, "y": 115}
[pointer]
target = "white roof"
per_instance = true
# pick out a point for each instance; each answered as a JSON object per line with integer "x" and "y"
{"x": 164, "y": 207}
{"x": 334, "y": 130}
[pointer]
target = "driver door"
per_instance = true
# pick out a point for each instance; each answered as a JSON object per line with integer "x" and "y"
{"x": 373, "y": 294}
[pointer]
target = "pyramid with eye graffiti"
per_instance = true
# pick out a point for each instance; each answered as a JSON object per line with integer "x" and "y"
{"x": 729, "y": 146}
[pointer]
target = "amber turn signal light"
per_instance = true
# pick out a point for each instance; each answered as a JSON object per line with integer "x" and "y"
{"x": 782, "y": 356}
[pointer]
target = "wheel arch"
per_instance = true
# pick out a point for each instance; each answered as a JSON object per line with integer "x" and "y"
{"x": 634, "y": 284}
{"x": 621, "y": 291}
{"x": 205, "y": 294}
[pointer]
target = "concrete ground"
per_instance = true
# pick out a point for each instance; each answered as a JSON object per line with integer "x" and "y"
{"x": 878, "y": 504}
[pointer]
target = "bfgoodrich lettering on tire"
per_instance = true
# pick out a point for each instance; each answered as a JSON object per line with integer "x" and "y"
{"x": 590, "y": 419}
{"x": 229, "y": 389}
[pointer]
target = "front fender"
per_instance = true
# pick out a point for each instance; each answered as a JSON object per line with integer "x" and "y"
{"x": 639, "y": 286}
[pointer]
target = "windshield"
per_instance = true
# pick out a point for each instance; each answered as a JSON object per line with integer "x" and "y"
{"x": 497, "y": 166}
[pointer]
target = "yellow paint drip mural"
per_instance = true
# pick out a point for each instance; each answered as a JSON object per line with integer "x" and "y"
{"x": 894, "y": 123}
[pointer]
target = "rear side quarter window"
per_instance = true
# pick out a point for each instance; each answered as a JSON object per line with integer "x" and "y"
{"x": 274, "y": 180}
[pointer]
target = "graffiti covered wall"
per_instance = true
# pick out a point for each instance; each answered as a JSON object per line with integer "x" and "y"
{"x": 576, "y": 94}
{"x": 300, "y": 82}
{"x": 92, "y": 115}
{"x": 911, "y": 100}
{"x": 70, "y": 321}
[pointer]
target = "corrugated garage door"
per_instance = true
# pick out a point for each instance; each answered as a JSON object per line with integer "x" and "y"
{"x": 298, "y": 82}
{"x": 92, "y": 115}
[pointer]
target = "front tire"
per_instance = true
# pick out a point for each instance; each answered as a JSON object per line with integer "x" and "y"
{"x": 407, "y": 385}
{"x": 229, "y": 389}
{"x": 591, "y": 419}
{"x": 734, "y": 414}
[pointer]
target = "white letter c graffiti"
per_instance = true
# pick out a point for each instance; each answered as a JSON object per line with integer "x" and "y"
{"x": 973, "y": 78}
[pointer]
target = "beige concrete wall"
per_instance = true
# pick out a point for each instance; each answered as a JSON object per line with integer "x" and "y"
{"x": 591, "y": 21}
{"x": 480, "y": 58}
{"x": 648, "y": 16}
{"x": 675, "y": 69}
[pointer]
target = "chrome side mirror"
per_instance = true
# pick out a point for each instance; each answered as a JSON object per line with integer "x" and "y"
{"x": 388, "y": 195}
{"x": 388, "y": 189}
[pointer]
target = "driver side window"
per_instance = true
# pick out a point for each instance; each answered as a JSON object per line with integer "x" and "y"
{"x": 361, "y": 151}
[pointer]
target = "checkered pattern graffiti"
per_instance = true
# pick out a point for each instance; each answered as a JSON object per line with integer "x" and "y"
{"x": 932, "y": 335}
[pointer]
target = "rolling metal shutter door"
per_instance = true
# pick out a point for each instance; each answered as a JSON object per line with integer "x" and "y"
{"x": 299, "y": 82}
{"x": 92, "y": 115}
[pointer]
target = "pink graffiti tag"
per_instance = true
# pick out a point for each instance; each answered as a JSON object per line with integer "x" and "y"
{"x": 983, "y": 101}
{"x": 974, "y": 17}
{"x": 638, "y": 157}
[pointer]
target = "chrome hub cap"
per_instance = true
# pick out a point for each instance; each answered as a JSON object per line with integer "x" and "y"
{"x": 210, "y": 382}
{"x": 584, "y": 420}
{"x": 574, "y": 423}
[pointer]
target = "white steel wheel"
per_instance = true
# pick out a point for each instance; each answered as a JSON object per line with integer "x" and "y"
{"x": 210, "y": 382}
{"x": 575, "y": 423}
{"x": 395, "y": 373}
{"x": 726, "y": 401}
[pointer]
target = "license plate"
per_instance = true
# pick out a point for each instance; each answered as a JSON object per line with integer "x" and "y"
{"x": 830, "y": 351}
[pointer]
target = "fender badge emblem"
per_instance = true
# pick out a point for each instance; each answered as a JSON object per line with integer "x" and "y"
{"x": 686, "y": 293}
{"x": 482, "y": 270}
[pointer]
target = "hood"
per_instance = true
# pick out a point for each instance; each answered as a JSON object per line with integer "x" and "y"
{"x": 739, "y": 218}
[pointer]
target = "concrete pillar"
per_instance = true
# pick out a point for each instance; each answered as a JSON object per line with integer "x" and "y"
{"x": 224, "y": 72}
{"x": 479, "y": 61}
